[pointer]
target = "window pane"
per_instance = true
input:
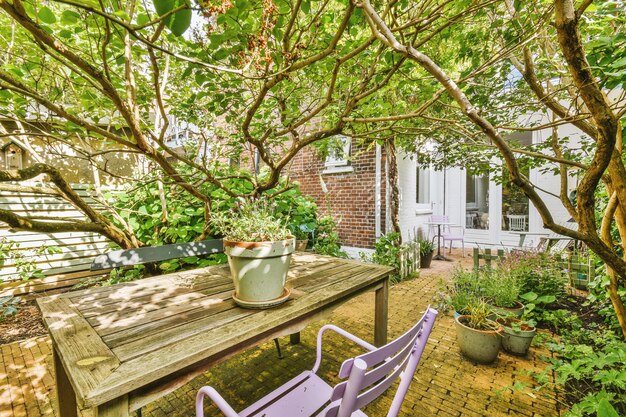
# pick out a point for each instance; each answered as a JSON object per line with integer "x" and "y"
{"x": 514, "y": 205}
{"x": 423, "y": 186}
{"x": 477, "y": 202}
{"x": 339, "y": 151}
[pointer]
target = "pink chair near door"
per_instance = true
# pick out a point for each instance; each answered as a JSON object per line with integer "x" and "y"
{"x": 449, "y": 233}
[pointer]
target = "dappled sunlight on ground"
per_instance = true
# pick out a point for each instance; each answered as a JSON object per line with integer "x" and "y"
{"x": 446, "y": 384}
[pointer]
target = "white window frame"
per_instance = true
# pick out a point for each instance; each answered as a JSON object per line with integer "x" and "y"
{"x": 334, "y": 163}
{"x": 424, "y": 207}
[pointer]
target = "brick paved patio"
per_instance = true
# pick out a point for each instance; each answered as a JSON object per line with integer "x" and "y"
{"x": 446, "y": 384}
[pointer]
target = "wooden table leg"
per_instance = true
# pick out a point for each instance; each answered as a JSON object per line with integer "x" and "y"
{"x": 66, "y": 397}
{"x": 381, "y": 314}
{"x": 114, "y": 408}
{"x": 294, "y": 338}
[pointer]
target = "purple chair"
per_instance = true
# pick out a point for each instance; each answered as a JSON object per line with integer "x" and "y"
{"x": 449, "y": 233}
{"x": 366, "y": 377}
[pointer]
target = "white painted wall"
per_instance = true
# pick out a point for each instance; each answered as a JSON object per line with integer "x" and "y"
{"x": 448, "y": 197}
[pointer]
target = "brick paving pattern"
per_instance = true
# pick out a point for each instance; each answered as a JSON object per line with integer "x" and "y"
{"x": 446, "y": 384}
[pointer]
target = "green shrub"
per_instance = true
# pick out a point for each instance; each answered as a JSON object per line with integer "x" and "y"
{"x": 185, "y": 218}
{"x": 387, "y": 252}
{"x": 9, "y": 306}
{"x": 326, "y": 241}
{"x": 501, "y": 287}
{"x": 537, "y": 272}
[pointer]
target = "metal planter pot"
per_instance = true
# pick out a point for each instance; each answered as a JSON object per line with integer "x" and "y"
{"x": 517, "y": 341}
{"x": 481, "y": 346}
{"x": 259, "y": 271}
{"x": 516, "y": 311}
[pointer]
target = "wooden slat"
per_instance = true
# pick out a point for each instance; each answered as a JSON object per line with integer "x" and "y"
{"x": 78, "y": 345}
{"x": 130, "y": 257}
{"x": 159, "y": 341}
{"x": 54, "y": 268}
{"x": 89, "y": 297}
{"x": 128, "y": 329}
{"x": 112, "y": 306}
{"x": 38, "y": 285}
{"x": 71, "y": 245}
{"x": 24, "y": 236}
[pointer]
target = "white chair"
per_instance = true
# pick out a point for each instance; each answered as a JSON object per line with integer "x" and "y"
{"x": 449, "y": 233}
{"x": 517, "y": 222}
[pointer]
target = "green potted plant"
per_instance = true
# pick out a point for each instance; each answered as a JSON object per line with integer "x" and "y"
{"x": 426, "y": 253}
{"x": 517, "y": 335}
{"x": 259, "y": 247}
{"x": 502, "y": 289}
{"x": 302, "y": 221}
{"x": 478, "y": 336}
{"x": 302, "y": 233}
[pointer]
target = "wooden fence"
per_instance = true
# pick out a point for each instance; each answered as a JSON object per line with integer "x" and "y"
{"x": 579, "y": 268}
{"x": 409, "y": 259}
{"x": 31, "y": 254}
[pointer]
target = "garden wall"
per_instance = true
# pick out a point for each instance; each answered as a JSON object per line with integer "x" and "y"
{"x": 351, "y": 195}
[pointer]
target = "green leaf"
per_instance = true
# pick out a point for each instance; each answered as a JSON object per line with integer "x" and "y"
{"x": 163, "y": 6}
{"x": 605, "y": 409}
{"x": 142, "y": 19}
{"x": 529, "y": 296}
{"x": 306, "y": 6}
{"x": 46, "y": 15}
{"x": 122, "y": 15}
{"x": 69, "y": 17}
{"x": 181, "y": 22}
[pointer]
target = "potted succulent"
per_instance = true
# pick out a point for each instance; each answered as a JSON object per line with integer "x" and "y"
{"x": 479, "y": 337}
{"x": 259, "y": 247}
{"x": 517, "y": 335}
{"x": 426, "y": 252}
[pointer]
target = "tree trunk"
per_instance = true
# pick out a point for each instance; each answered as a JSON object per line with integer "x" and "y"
{"x": 394, "y": 193}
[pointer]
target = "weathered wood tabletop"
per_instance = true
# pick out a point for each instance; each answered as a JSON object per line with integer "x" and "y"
{"x": 117, "y": 348}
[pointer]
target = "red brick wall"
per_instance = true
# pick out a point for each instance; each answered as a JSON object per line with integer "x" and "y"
{"x": 351, "y": 195}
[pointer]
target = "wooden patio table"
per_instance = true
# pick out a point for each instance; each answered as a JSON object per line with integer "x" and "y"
{"x": 120, "y": 347}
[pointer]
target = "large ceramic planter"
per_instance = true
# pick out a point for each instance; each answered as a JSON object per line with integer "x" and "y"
{"x": 515, "y": 312}
{"x": 516, "y": 340}
{"x": 259, "y": 271}
{"x": 425, "y": 260}
{"x": 481, "y": 346}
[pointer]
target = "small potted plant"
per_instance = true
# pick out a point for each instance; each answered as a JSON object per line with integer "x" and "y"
{"x": 426, "y": 253}
{"x": 502, "y": 289}
{"x": 479, "y": 337}
{"x": 302, "y": 233}
{"x": 259, "y": 247}
{"x": 517, "y": 335}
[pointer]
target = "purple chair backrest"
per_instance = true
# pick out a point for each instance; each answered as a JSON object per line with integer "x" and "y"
{"x": 371, "y": 374}
{"x": 437, "y": 218}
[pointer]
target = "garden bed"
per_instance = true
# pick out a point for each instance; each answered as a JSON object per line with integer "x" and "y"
{"x": 25, "y": 324}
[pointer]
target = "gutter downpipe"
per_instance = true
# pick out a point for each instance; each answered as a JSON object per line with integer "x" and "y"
{"x": 377, "y": 192}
